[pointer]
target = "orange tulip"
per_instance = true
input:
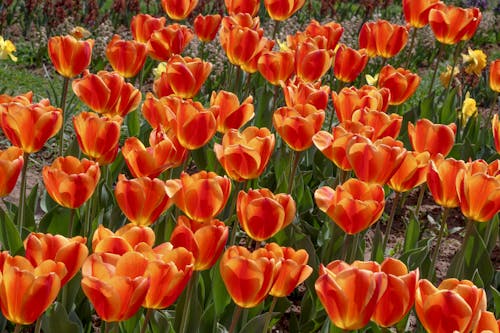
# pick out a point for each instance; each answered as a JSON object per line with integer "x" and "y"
{"x": 69, "y": 251}
{"x": 276, "y": 66}
{"x": 98, "y": 137}
{"x": 349, "y": 63}
{"x": 230, "y": 114}
{"x": 115, "y": 285}
{"x": 142, "y": 200}
{"x": 434, "y": 138}
{"x": 69, "y": 55}
{"x": 332, "y": 31}
{"x": 297, "y": 91}
{"x": 376, "y": 162}
{"x": 487, "y": 323}
{"x": 142, "y": 26}
{"x": 452, "y": 24}
{"x": 168, "y": 41}
{"x": 244, "y": 155}
{"x": 201, "y": 196}
{"x": 27, "y": 291}
{"x": 123, "y": 240}
{"x": 293, "y": 271}
{"x": 312, "y": 61}
{"x": 70, "y": 181}
{"x": 241, "y": 20}
{"x": 157, "y": 112}
{"x": 494, "y": 77}
{"x": 25, "y": 99}
{"x": 205, "y": 241}
{"x": 177, "y": 154}
{"x": 495, "y": 127}
{"x": 30, "y": 126}
{"x": 350, "y": 293}
{"x": 453, "y": 306}
{"x": 281, "y": 10}
{"x": 263, "y": 214}
{"x": 297, "y": 125}
{"x": 206, "y": 27}
{"x": 248, "y": 276}
{"x": 401, "y": 83}
{"x": 107, "y": 93}
{"x": 11, "y": 163}
{"x": 411, "y": 173}
{"x": 250, "y": 7}
{"x": 178, "y": 9}
{"x": 399, "y": 296}
{"x": 353, "y": 206}
{"x": 383, "y": 124}
{"x": 382, "y": 38}
{"x": 441, "y": 180}
{"x": 416, "y": 12}
{"x": 350, "y": 99}
{"x": 127, "y": 57}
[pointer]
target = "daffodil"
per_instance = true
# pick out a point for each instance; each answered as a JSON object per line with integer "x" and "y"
{"x": 476, "y": 60}
{"x": 469, "y": 108}
{"x": 79, "y": 32}
{"x": 445, "y": 77}
{"x": 371, "y": 80}
{"x": 161, "y": 68}
{"x": 6, "y": 49}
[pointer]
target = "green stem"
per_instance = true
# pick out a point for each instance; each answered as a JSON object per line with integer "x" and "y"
{"x": 275, "y": 30}
{"x": 270, "y": 314}
{"x": 438, "y": 59}
{"x": 419, "y": 200}
{"x": 38, "y": 325}
{"x": 444, "y": 217}
{"x": 238, "y": 187}
{"x": 144, "y": 327}
{"x": 22, "y": 195}
{"x": 391, "y": 219}
{"x": 354, "y": 246}
{"x": 18, "y": 328}
{"x": 63, "y": 107}
{"x": 468, "y": 231}
{"x": 293, "y": 170}
{"x": 88, "y": 218}
{"x": 237, "y": 80}
{"x": 410, "y": 49}
{"x": 458, "y": 47}
{"x": 236, "y": 317}
{"x": 71, "y": 220}
{"x": 187, "y": 302}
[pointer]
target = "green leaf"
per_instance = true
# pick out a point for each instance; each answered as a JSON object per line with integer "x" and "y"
{"x": 220, "y": 294}
{"x": 496, "y": 300}
{"x": 56, "y": 221}
{"x": 412, "y": 234}
{"x": 377, "y": 250}
{"x": 132, "y": 324}
{"x": 133, "y": 123}
{"x": 448, "y": 113}
{"x": 9, "y": 234}
{"x": 56, "y": 319}
{"x": 256, "y": 324}
{"x": 426, "y": 107}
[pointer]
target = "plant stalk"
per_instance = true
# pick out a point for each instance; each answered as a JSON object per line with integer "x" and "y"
{"x": 18, "y": 328}
{"x": 438, "y": 59}
{"x": 444, "y": 217}
{"x": 38, "y": 325}
{"x": 269, "y": 315}
{"x": 293, "y": 171}
{"x": 410, "y": 49}
{"x": 238, "y": 187}
{"x": 391, "y": 219}
{"x": 63, "y": 107}
{"x": 189, "y": 295}
{"x": 458, "y": 47}
{"x": 236, "y": 318}
{"x": 144, "y": 327}
{"x": 22, "y": 194}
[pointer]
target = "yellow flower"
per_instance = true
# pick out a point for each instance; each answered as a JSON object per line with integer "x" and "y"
{"x": 371, "y": 80}
{"x": 469, "y": 108}
{"x": 6, "y": 49}
{"x": 79, "y": 32}
{"x": 283, "y": 46}
{"x": 445, "y": 77}
{"x": 161, "y": 68}
{"x": 476, "y": 60}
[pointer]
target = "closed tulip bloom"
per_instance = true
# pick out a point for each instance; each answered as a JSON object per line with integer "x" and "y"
{"x": 349, "y": 63}
{"x": 416, "y": 12}
{"x": 70, "y": 181}
{"x": 107, "y": 93}
{"x": 281, "y": 10}
{"x": 241, "y": 20}
{"x": 487, "y": 323}
{"x": 69, "y": 251}
{"x": 205, "y": 241}
{"x": 297, "y": 91}
{"x": 123, "y": 240}
{"x": 495, "y": 127}
{"x": 351, "y": 99}
{"x": 399, "y": 296}
{"x": 350, "y": 293}
{"x": 25, "y": 99}
{"x": 230, "y": 114}
{"x": 311, "y": 61}
{"x": 276, "y": 66}
{"x": 177, "y": 154}
{"x": 115, "y": 285}
{"x": 98, "y": 137}
{"x": 332, "y": 31}
{"x": 411, "y": 173}
{"x": 297, "y": 125}
{"x": 168, "y": 41}
{"x": 178, "y": 9}
{"x": 69, "y": 55}
{"x": 382, "y": 38}
{"x": 383, "y": 124}
{"x": 201, "y": 196}
{"x": 453, "y": 306}
{"x": 248, "y": 276}
{"x": 244, "y": 155}
{"x": 262, "y": 213}
{"x": 401, "y": 83}
{"x": 27, "y": 291}
{"x": 142, "y": 200}
{"x": 250, "y": 7}
{"x": 353, "y": 206}
{"x": 157, "y": 111}
{"x": 441, "y": 180}
{"x": 142, "y": 26}
{"x": 206, "y": 27}
{"x": 127, "y": 57}
{"x": 494, "y": 77}
{"x": 452, "y": 24}
{"x": 11, "y": 163}
{"x": 294, "y": 269}
{"x": 434, "y": 138}
{"x": 30, "y": 126}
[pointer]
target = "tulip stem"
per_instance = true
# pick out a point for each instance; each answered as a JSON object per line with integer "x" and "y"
{"x": 63, "y": 107}
{"x": 38, "y": 324}
{"x": 438, "y": 58}
{"x": 391, "y": 219}
{"x": 419, "y": 200}
{"x": 71, "y": 220}
{"x": 144, "y": 327}
{"x": 354, "y": 246}
{"x": 18, "y": 328}
{"x": 236, "y": 317}
{"x": 276, "y": 28}
{"x": 458, "y": 47}
{"x": 432, "y": 268}
{"x": 22, "y": 195}
{"x": 238, "y": 187}
{"x": 187, "y": 301}
{"x": 293, "y": 170}
{"x": 269, "y": 315}
{"x": 410, "y": 49}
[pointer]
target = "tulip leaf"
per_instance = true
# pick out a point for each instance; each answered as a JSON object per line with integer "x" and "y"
{"x": 133, "y": 124}
{"x": 56, "y": 319}
{"x": 3, "y": 322}
{"x": 377, "y": 250}
{"x": 160, "y": 322}
{"x": 256, "y": 324}
{"x": 496, "y": 300}
{"x": 9, "y": 234}
{"x": 412, "y": 234}
{"x": 448, "y": 113}
{"x": 220, "y": 294}
{"x": 132, "y": 324}
{"x": 29, "y": 210}
{"x": 46, "y": 202}
{"x": 426, "y": 107}
{"x": 56, "y": 221}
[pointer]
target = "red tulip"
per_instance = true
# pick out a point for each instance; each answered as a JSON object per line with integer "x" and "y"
{"x": 69, "y": 55}
{"x": 206, "y": 27}
{"x": 434, "y": 138}
{"x": 123, "y": 240}
{"x": 276, "y": 66}
{"x": 178, "y": 9}
{"x": 452, "y": 24}
{"x": 311, "y": 60}
{"x": 411, "y": 173}
{"x": 230, "y": 114}
{"x": 495, "y": 127}
{"x": 441, "y": 180}
{"x": 416, "y": 12}
{"x": 382, "y": 38}
{"x": 297, "y": 91}
{"x": 127, "y": 57}
{"x": 11, "y": 163}
{"x": 281, "y": 10}
{"x": 401, "y": 83}
{"x": 142, "y": 26}
{"x": 351, "y": 99}
{"x": 168, "y": 41}
{"x": 494, "y": 77}
{"x": 383, "y": 124}
{"x": 332, "y": 31}
{"x": 349, "y": 63}
{"x": 250, "y": 7}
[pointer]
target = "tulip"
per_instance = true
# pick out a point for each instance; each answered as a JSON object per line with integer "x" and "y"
{"x": 453, "y": 306}
{"x": 248, "y": 276}
{"x": 416, "y": 12}
{"x": 123, "y": 240}
{"x": 495, "y": 127}
{"x": 494, "y": 77}
{"x": 69, "y": 55}
{"x": 452, "y": 24}
{"x": 263, "y": 214}
{"x": 11, "y": 163}
{"x": 107, "y": 93}
{"x": 25, "y": 99}
{"x": 383, "y": 124}
{"x": 312, "y": 61}
{"x": 250, "y": 7}
{"x": 297, "y": 125}
{"x": 27, "y": 291}
{"x": 205, "y": 241}
{"x": 276, "y": 66}
{"x": 142, "y": 26}
{"x": 401, "y": 83}
{"x": 241, "y": 20}
{"x": 30, "y": 126}
{"x": 349, "y": 63}
{"x": 157, "y": 112}
{"x": 115, "y": 285}
{"x": 98, "y": 137}
{"x": 69, "y": 251}
{"x": 177, "y": 154}
{"x": 168, "y": 41}
{"x": 487, "y": 323}
{"x": 350, "y": 293}
{"x": 70, "y": 181}
{"x": 382, "y": 38}
{"x": 411, "y": 173}
{"x": 441, "y": 180}
{"x": 353, "y": 206}
{"x": 351, "y": 99}
{"x": 281, "y": 10}
{"x": 201, "y": 196}
{"x": 142, "y": 200}
{"x": 178, "y": 9}
{"x": 127, "y": 57}
{"x": 230, "y": 114}
{"x": 297, "y": 91}
{"x": 206, "y": 27}
{"x": 332, "y": 31}
{"x": 434, "y": 138}
{"x": 245, "y": 155}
